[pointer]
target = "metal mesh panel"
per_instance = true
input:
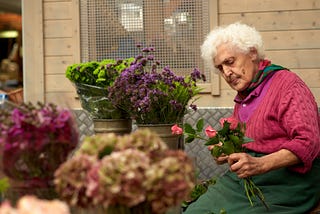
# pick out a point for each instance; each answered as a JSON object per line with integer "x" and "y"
{"x": 176, "y": 28}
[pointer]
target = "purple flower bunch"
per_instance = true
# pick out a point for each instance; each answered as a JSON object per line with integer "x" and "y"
{"x": 35, "y": 140}
{"x": 152, "y": 97}
{"x": 139, "y": 170}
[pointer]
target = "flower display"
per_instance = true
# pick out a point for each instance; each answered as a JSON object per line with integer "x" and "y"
{"x": 117, "y": 178}
{"x": 33, "y": 205}
{"x": 92, "y": 80}
{"x": 35, "y": 140}
{"x": 138, "y": 172}
{"x": 169, "y": 180}
{"x": 153, "y": 97}
{"x": 229, "y": 139}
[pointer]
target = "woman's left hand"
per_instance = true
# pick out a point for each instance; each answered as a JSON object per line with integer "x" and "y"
{"x": 245, "y": 165}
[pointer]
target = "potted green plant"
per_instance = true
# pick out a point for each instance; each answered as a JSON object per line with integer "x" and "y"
{"x": 92, "y": 80}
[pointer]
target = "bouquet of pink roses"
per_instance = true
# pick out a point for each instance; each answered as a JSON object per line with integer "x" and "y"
{"x": 229, "y": 139}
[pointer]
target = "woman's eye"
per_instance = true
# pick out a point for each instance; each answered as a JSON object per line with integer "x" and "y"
{"x": 219, "y": 67}
{"x": 229, "y": 62}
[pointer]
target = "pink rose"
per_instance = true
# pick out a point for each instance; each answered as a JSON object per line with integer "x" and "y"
{"x": 210, "y": 132}
{"x": 233, "y": 122}
{"x": 176, "y": 130}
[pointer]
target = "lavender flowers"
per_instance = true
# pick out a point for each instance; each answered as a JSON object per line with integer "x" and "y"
{"x": 153, "y": 97}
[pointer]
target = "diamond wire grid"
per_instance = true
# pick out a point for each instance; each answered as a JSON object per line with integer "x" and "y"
{"x": 176, "y": 28}
{"x": 204, "y": 163}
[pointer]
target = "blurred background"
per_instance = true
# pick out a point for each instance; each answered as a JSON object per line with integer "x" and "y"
{"x": 11, "y": 74}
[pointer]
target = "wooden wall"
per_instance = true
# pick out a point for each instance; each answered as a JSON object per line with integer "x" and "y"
{"x": 291, "y": 30}
{"x": 51, "y": 36}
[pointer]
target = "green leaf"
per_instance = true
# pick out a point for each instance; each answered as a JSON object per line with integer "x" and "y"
{"x": 225, "y": 130}
{"x": 212, "y": 141}
{"x": 247, "y": 139}
{"x": 200, "y": 125}
{"x": 234, "y": 139}
{"x": 106, "y": 151}
{"x": 216, "y": 151}
{"x": 228, "y": 148}
{"x": 188, "y": 129}
{"x": 189, "y": 139}
{"x": 223, "y": 211}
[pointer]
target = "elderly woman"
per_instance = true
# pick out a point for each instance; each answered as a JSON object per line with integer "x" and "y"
{"x": 281, "y": 115}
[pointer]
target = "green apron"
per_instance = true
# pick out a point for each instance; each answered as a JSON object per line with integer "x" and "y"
{"x": 285, "y": 192}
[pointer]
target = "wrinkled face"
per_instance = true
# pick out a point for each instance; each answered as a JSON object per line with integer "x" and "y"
{"x": 236, "y": 67}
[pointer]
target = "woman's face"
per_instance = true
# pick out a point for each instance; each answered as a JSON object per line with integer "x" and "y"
{"x": 236, "y": 67}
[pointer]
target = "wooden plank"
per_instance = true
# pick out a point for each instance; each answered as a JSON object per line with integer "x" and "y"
{"x": 58, "y": 28}
{"x": 57, "y": 0}
{"x": 57, "y": 64}
{"x": 296, "y": 59}
{"x": 225, "y": 99}
{"x": 275, "y": 40}
{"x": 64, "y": 99}
{"x": 242, "y": 6}
{"x": 215, "y": 83}
{"x": 214, "y": 78}
{"x": 57, "y": 10}
{"x": 316, "y": 94}
{"x": 282, "y": 20}
{"x": 33, "y": 62}
{"x": 213, "y": 19}
{"x": 76, "y": 30}
{"x": 59, "y": 47}
{"x": 58, "y": 83}
{"x": 227, "y": 96}
{"x": 310, "y": 76}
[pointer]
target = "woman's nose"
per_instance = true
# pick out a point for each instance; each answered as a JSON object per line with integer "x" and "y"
{"x": 226, "y": 70}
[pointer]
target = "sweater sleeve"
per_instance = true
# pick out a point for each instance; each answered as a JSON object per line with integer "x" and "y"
{"x": 299, "y": 116}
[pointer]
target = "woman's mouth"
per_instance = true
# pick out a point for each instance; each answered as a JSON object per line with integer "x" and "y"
{"x": 234, "y": 81}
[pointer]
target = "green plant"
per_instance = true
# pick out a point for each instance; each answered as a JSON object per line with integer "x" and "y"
{"x": 92, "y": 81}
{"x": 101, "y": 74}
{"x": 198, "y": 190}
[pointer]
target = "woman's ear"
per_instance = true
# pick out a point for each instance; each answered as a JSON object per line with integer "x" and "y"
{"x": 253, "y": 54}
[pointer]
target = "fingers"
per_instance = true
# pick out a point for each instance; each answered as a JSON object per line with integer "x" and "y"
{"x": 222, "y": 159}
{"x": 242, "y": 164}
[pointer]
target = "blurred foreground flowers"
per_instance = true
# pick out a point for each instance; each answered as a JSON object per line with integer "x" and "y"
{"x": 33, "y": 205}
{"x": 34, "y": 141}
{"x": 135, "y": 171}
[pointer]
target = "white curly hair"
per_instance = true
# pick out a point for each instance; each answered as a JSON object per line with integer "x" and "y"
{"x": 237, "y": 35}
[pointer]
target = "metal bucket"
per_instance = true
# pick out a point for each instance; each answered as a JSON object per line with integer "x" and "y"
{"x": 117, "y": 126}
{"x": 165, "y": 133}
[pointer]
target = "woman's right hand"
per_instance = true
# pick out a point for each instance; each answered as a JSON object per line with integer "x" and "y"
{"x": 222, "y": 159}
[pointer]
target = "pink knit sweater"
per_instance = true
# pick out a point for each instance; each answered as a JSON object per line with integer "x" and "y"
{"x": 286, "y": 118}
